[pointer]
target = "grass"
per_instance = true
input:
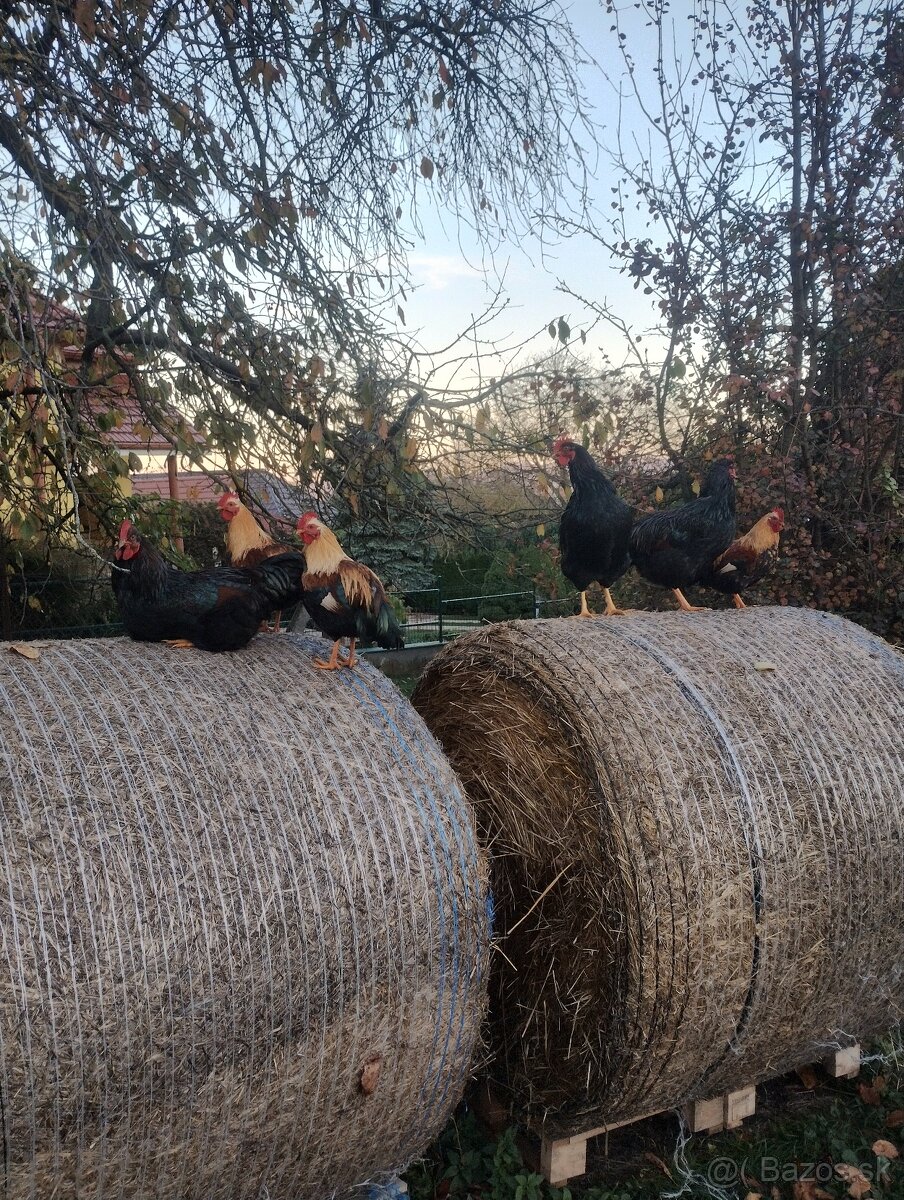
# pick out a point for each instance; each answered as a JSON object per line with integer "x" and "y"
{"x": 813, "y": 1138}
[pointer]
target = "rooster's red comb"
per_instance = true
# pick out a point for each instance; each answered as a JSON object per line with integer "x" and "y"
{"x": 226, "y": 497}
{"x": 125, "y": 529}
{"x": 305, "y": 517}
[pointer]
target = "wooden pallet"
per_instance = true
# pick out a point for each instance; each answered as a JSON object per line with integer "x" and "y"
{"x": 564, "y": 1158}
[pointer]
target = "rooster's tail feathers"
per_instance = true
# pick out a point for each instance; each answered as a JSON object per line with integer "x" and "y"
{"x": 389, "y": 634}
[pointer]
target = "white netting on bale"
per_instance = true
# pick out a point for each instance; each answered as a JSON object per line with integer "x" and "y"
{"x": 232, "y": 889}
{"x": 697, "y": 827}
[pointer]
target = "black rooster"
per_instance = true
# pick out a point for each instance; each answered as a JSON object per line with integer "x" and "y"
{"x": 677, "y": 548}
{"x": 217, "y": 609}
{"x": 594, "y": 529}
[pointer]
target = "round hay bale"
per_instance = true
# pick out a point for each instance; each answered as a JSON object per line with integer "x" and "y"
{"x": 696, "y": 824}
{"x": 244, "y": 924}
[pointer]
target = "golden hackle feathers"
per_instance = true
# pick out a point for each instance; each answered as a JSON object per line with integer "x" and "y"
{"x": 243, "y": 533}
{"x": 760, "y": 538}
{"x": 324, "y": 555}
{"x": 357, "y": 583}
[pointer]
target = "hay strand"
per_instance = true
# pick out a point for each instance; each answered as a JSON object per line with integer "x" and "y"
{"x": 725, "y": 843}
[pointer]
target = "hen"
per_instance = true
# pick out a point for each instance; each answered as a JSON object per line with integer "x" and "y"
{"x": 218, "y": 609}
{"x": 247, "y": 544}
{"x": 344, "y": 599}
{"x": 594, "y": 529}
{"x": 747, "y": 559}
{"x": 675, "y": 549}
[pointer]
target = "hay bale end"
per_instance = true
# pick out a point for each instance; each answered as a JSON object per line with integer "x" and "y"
{"x": 697, "y": 831}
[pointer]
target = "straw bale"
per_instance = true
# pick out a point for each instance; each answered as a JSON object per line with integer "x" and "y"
{"x": 696, "y": 827}
{"x": 227, "y": 884}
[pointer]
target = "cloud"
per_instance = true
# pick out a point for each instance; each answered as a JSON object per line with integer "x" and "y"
{"x": 435, "y": 272}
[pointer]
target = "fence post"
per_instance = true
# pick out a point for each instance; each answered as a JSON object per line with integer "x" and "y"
{"x": 439, "y": 607}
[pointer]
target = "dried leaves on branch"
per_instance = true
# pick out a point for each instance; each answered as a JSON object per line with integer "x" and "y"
{"x": 215, "y": 197}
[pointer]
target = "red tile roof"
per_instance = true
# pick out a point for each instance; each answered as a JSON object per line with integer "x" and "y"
{"x": 195, "y": 486}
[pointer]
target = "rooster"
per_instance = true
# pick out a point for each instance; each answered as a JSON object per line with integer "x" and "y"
{"x": 344, "y": 599}
{"x": 747, "y": 559}
{"x": 676, "y": 548}
{"x": 595, "y": 527}
{"x": 218, "y": 609}
{"x": 247, "y": 543}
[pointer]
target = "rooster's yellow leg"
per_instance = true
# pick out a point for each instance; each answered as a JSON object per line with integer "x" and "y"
{"x": 179, "y": 643}
{"x": 683, "y": 604}
{"x": 611, "y": 609}
{"x": 351, "y": 660}
{"x": 333, "y": 664}
{"x": 585, "y": 611}
{"x": 738, "y": 602}
{"x": 277, "y": 621}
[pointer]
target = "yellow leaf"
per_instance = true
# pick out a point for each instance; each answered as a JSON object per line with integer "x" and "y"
{"x": 659, "y": 495}
{"x": 695, "y": 487}
{"x": 383, "y": 428}
{"x": 410, "y": 449}
{"x": 858, "y": 1184}
{"x": 26, "y": 651}
{"x": 316, "y": 434}
{"x": 541, "y": 530}
{"x": 764, "y": 666}
{"x": 886, "y": 1148}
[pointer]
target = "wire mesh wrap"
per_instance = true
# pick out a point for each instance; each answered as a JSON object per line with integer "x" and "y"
{"x": 229, "y": 883}
{"x": 696, "y": 825}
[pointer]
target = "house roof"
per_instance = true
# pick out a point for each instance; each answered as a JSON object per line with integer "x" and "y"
{"x": 49, "y": 323}
{"x": 282, "y": 500}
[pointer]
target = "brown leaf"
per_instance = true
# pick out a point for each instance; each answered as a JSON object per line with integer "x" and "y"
{"x": 895, "y": 1119}
{"x": 869, "y": 1093}
{"x": 886, "y": 1148}
{"x": 83, "y": 12}
{"x": 858, "y": 1184}
{"x": 370, "y": 1074}
{"x": 809, "y": 1189}
{"x": 24, "y": 650}
{"x": 427, "y": 167}
{"x": 809, "y": 1079}
{"x": 657, "y": 1162}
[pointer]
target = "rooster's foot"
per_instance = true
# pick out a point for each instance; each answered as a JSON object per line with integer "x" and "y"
{"x": 351, "y": 661}
{"x": 738, "y": 602}
{"x": 333, "y": 663}
{"x": 612, "y": 610}
{"x": 683, "y": 604}
{"x": 585, "y": 611}
{"x": 179, "y": 643}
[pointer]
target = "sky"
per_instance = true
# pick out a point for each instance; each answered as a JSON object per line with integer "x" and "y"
{"x": 453, "y": 282}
